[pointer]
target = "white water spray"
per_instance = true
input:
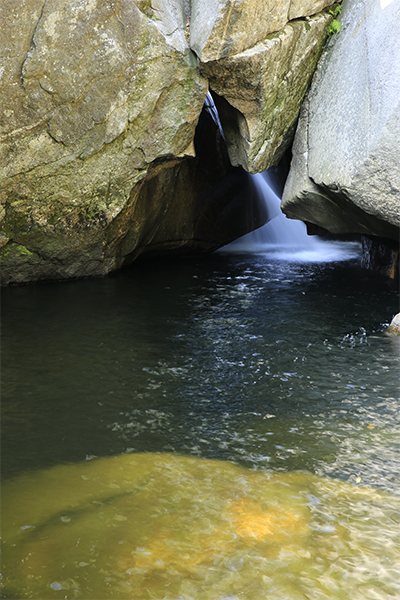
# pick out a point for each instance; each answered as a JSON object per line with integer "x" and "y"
{"x": 286, "y": 239}
{"x": 282, "y": 238}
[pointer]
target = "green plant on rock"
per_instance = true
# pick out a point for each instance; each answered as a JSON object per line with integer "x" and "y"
{"x": 335, "y": 25}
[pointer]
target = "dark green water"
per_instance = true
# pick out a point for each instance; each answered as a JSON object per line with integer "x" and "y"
{"x": 236, "y": 357}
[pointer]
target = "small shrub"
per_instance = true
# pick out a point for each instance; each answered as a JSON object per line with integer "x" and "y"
{"x": 335, "y": 25}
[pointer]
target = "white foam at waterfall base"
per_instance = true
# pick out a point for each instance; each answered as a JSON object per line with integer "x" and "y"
{"x": 286, "y": 239}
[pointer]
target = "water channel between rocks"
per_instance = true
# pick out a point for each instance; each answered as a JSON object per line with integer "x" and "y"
{"x": 276, "y": 374}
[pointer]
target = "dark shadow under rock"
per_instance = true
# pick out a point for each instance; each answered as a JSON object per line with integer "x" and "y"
{"x": 191, "y": 205}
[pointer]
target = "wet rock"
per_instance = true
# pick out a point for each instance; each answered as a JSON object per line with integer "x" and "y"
{"x": 394, "y": 327}
{"x": 345, "y": 173}
{"x": 381, "y": 255}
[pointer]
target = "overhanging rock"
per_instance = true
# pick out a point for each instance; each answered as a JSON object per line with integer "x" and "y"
{"x": 262, "y": 89}
{"x": 345, "y": 173}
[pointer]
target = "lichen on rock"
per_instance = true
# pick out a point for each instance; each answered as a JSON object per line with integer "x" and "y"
{"x": 262, "y": 90}
{"x": 97, "y": 94}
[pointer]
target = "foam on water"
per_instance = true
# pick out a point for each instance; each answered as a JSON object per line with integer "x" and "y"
{"x": 286, "y": 239}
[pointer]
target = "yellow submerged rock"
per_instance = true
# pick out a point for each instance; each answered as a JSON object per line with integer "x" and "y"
{"x": 171, "y": 527}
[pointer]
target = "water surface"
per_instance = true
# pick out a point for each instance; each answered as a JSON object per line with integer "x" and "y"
{"x": 162, "y": 526}
{"x": 281, "y": 368}
{"x": 238, "y": 357}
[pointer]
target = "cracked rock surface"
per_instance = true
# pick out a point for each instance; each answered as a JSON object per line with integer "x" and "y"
{"x": 98, "y": 98}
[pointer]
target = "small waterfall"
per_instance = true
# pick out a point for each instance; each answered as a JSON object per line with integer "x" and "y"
{"x": 287, "y": 239}
{"x": 213, "y": 112}
{"x": 282, "y": 238}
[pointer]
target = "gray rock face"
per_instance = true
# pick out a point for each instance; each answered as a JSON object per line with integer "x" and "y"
{"x": 345, "y": 173}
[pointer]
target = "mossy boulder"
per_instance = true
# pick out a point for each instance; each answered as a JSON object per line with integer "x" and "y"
{"x": 99, "y": 108}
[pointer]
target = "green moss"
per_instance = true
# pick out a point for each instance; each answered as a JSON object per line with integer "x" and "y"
{"x": 146, "y": 8}
{"x": 15, "y": 250}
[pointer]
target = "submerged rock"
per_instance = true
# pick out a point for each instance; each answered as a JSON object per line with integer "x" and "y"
{"x": 165, "y": 526}
{"x": 345, "y": 173}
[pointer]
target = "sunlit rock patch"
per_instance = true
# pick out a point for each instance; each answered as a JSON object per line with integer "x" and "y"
{"x": 172, "y": 527}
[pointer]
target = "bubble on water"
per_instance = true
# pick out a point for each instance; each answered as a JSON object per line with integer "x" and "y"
{"x": 56, "y": 586}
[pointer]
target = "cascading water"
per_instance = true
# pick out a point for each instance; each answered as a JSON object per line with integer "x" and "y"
{"x": 287, "y": 239}
{"x": 208, "y": 429}
{"x": 213, "y": 112}
{"x": 280, "y": 237}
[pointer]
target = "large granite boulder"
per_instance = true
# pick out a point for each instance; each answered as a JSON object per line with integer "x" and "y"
{"x": 222, "y": 28}
{"x": 259, "y": 57}
{"x": 345, "y": 173}
{"x": 93, "y": 92}
{"x": 99, "y": 107}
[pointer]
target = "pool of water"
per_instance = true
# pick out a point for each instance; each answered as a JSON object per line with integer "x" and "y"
{"x": 276, "y": 366}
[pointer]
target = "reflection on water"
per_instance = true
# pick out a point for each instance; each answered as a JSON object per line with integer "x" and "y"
{"x": 164, "y": 526}
{"x": 239, "y": 358}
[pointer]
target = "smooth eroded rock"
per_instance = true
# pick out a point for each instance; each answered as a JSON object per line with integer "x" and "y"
{"x": 345, "y": 174}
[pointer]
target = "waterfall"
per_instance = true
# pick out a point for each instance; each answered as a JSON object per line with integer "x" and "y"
{"x": 213, "y": 112}
{"x": 280, "y": 237}
{"x": 287, "y": 239}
